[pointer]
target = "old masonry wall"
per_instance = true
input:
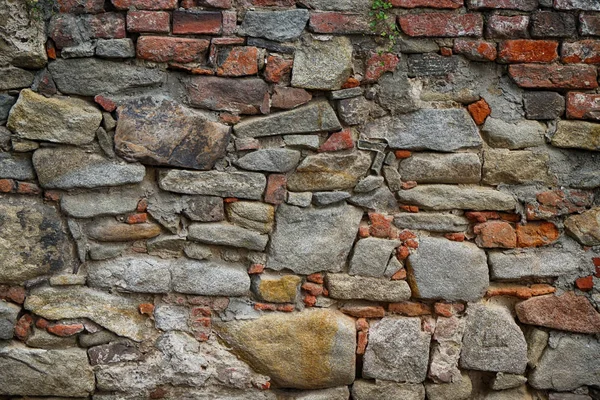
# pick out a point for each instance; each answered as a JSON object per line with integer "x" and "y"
{"x": 271, "y": 200}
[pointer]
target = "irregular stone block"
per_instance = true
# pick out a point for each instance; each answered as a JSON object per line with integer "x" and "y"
{"x": 445, "y": 353}
{"x": 308, "y": 240}
{"x": 271, "y": 160}
{"x": 514, "y": 167}
{"x": 42, "y": 339}
{"x": 160, "y": 131}
{"x": 252, "y": 215}
{"x": 265, "y": 343}
{"x": 346, "y": 287}
{"x": 441, "y": 168}
{"x": 23, "y": 37}
{"x": 504, "y": 381}
{"x": 227, "y": 235}
{"x": 443, "y": 269}
{"x": 576, "y": 169}
{"x": 131, "y": 274}
{"x": 432, "y": 222}
{"x": 371, "y": 256}
{"x": 397, "y": 351}
{"x": 171, "y": 318}
{"x": 577, "y": 134}
{"x": 327, "y": 198}
{"x": 459, "y": 390}
{"x": 8, "y": 318}
{"x": 431, "y": 64}
{"x": 585, "y": 227}
{"x": 493, "y": 341}
{"x": 384, "y": 390}
{"x": 448, "y": 197}
{"x": 396, "y": 93}
{"x": 115, "y": 48}
{"x": 276, "y": 289}
{"x": 110, "y": 230}
{"x": 15, "y": 78}
{"x": 245, "y": 185}
{"x": 16, "y": 167}
{"x": 281, "y": 26}
{"x": 88, "y": 205}
{"x": 244, "y": 96}
{"x": 513, "y": 136}
{"x": 113, "y": 353}
{"x": 543, "y": 105}
{"x": 382, "y": 200}
{"x": 209, "y": 278}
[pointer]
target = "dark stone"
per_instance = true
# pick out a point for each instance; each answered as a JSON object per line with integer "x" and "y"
{"x": 112, "y": 353}
{"x": 270, "y": 45}
{"x": 245, "y": 96}
{"x": 543, "y": 105}
{"x": 431, "y": 64}
{"x": 160, "y": 131}
{"x": 6, "y": 103}
{"x": 548, "y": 24}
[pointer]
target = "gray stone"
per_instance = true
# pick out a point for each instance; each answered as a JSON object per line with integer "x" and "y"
{"x": 576, "y": 5}
{"x": 313, "y": 117}
{"x": 535, "y": 263}
{"x": 322, "y": 65}
{"x": 338, "y": 5}
{"x": 371, "y": 256}
{"x": 67, "y": 279}
{"x": 392, "y": 178}
{"x": 197, "y": 251}
{"x": 300, "y": 199}
{"x": 270, "y": 160}
{"x": 513, "y": 135}
{"x": 106, "y": 140}
{"x": 385, "y": 390}
{"x": 275, "y": 25}
{"x": 344, "y": 287}
{"x": 503, "y": 381}
{"x": 115, "y": 48}
{"x": 209, "y": 278}
{"x": 92, "y": 76}
{"x": 183, "y": 138}
{"x": 16, "y": 167}
{"x": 585, "y": 227}
{"x": 23, "y": 145}
{"x": 345, "y": 93}
{"x": 6, "y": 103}
{"x": 493, "y": 341}
{"x": 58, "y": 119}
{"x": 514, "y": 167}
{"x": 252, "y": 215}
{"x": 113, "y": 353}
{"x": 69, "y": 168}
{"x": 397, "y": 94}
{"x": 444, "y": 269}
{"x": 41, "y": 339}
{"x": 95, "y": 339}
{"x": 131, "y": 274}
{"x": 166, "y": 246}
{"x": 448, "y": 197}
{"x": 445, "y": 351}
{"x": 326, "y": 198}
{"x": 166, "y": 208}
{"x": 37, "y": 372}
{"x": 8, "y": 318}
{"x": 569, "y": 362}
{"x": 93, "y": 204}
{"x": 520, "y": 393}
{"x": 576, "y": 169}
{"x": 543, "y": 105}
{"x": 357, "y": 110}
{"x": 22, "y": 35}
{"x": 537, "y": 340}
{"x": 15, "y": 78}
{"x": 336, "y": 393}
{"x": 577, "y": 134}
{"x": 117, "y": 314}
{"x": 86, "y": 49}
{"x": 420, "y": 130}
{"x": 431, "y": 222}
{"x": 172, "y": 318}
{"x": 309, "y": 141}
{"x": 239, "y": 96}
{"x": 568, "y": 396}
{"x": 308, "y": 240}
{"x": 245, "y": 185}
{"x": 329, "y": 171}
{"x": 431, "y": 64}
{"x": 441, "y": 168}
{"x": 227, "y": 235}
{"x": 34, "y": 240}
{"x": 104, "y": 251}
{"x": 368, "y": 184}
{"x": 459, "y": 390}
{"x": 397, "y": 351}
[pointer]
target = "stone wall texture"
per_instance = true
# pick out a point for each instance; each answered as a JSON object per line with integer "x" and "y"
{"x": 271, "y": 200}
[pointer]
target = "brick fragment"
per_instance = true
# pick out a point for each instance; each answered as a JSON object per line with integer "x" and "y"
{"x": 50, "y": 49}
{"x": 479, "y": 110}
{"x": 106, "y": 103}
{"x": 442, "y": 25}
{"x": 358, "y": 311}
{"x": 446, "y": 51}
{"x": 409, "y": 308}
{"x": 65, "y": 330}
{"x": 276, "y": 189}
{"x": 148, "y": 21}
{"x": 585, "y": 284}
{"x": 277, "y": 68}
{"x": 399, "y": 275}
{"x": 361, "y": 342}
{"x": 450, "y": 4}
{"x": 6, "y": 185}
{"x": 265, "y": 307}
{"x": 585, "y": 51}
{"x": 23, "y": 327}
{"x": 313, "y": 289}
{"x": 138, "y": 218}
{"x": 240, "y": 61}
{"x": 165, "y": 49}
{"x": 145, "y": 4}
{"x": 528, "y": 51}
{"x": 338, "y": 141}
{"x": 507, "y": 27}
{"x": 554, "y": 76}
{"x": 351, "y": 82}
{"x": 309, "y": 300}
{"x": 378, "y": 64}
{"x": 535, "y": 234}
{"x": 255, "y": 269}
{"x": 476, "y": 50}
{"x": 223, "y": 4}
{"x": 197, "y": 22}
{"x": 402, "y": 253}
{"x": 589, "y": 24}
{"x": 407, "y": 185}
{"x": 495, "y": 234}
{"x": 381, "y": 225}
{"x": 583, "y": 106}
{"x": 286, "y": 307}
{"x": 317, "y": 277}
{"x": 16, "y": 294}
{"x": 107, "y": 26}
{"x": 146, "y": 309}
{"x": 339, "y": 22}
{"x": 448, "y": 309}
{"x": 28, "y": 188}
{"x": 520, "y": 291}
{"x": 42, "y": 323}
{"x": 455, "y": 237}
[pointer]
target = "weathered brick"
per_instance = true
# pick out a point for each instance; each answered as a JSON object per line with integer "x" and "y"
{"x": 448, "y": 309}
{"x": 277, "y": 67}
{"x": 145, "y": 4}
{"x": 589, "y": 24}
{"x": 165, "y": 49}
{"x": 224, "y": 4}
{"x": 584, "y": 51}
{"x": 337, "y": 22}
{"x": 494, "y": 234}
{"x": 239, "y": 61}
{"x": 106, "y": 103}
{"x": 528, "y": 51}
{"x": 554, "y": 76}
{"x": 479, "y": 110}
{"x": 585, "y": 5}
{"x": 65, "y": 330}
{"x": 535, "y": 234}
{"x": 378, "y": 64}
{"x": 548, "y": 24}
{"x": 107, "y": 26}
{"x": 507, "y": 27}
{"x": 81, "y": 6}
{"x": 523, "y": 5}
{"x": 409, "y": 308}
{"x": 288, "y": 97}
{"x": 476, "y": 50}
{"x": 428, "y": 3}
{"x": 197, "y": 22}
{"x": 239, "y": 96}
{"x": 363, "y": 311}
{"x": 338, "y": 141}
{"x": 276, "y": 189}
{"x": 585, "y": 284}
{"x": 442, "y": 25}
{"x": 148, "y": 21}
{"x": 583, "y": 106}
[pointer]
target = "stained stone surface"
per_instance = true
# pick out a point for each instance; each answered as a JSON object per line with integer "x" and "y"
{"x": 245, "y": 185}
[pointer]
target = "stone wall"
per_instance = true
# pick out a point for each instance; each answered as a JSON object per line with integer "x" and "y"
{"x": 266, "y": 199}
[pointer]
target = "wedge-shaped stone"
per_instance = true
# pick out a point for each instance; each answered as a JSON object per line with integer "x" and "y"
{"x": 441, "y": 168}
{"x": 131, "y": 274}
{"x": 329, "y": 171}
{"x": 116, "y": 313}
{"x": 56, "y": 119}
{"x": 282, "y": 346}
{"x": 209, "y": 278}
{"x": 383, "y": 390}
{"x": 69, "y": 168}
{"x": 427, "y": 129}
{"x": 313, "y": 117}
{"x": 243, "y": 96}
{"x": 371, "y": 256}
{"x": 449, "y": 197}
{"x": 271, "y": 160}
{"x": 275, "y": 25}
{"x": 308, "y": 240}
{"x": 227, "y": 235}
{"x": 493, "y": 341}
{"x": 38, "y": 372}
{"x": 160, "y": 131}
{"x": 578, "y": 135}
{"x": 585, "y": 227}
{"x": 344, "y": 287}
{"x": 432, "y": 222}
{"x": 245, "y": 185}
{"x": 397, "y": 351}
{"x": 448, "y": 270}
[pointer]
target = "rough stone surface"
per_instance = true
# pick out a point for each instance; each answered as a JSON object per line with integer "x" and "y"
{"x": 245, "y": 96}
{"x": 514, "y": 167}
{"x": 160, "y": 131}
{"x": 513, "y": 136}
{"x": 445, "y": 353}
{"x": 23, "y": 37}
{"x": 431, "y": 222}
{"x": 115, "y": 48}
{"x": 8, "y": 318}
{"x": 371, "y": 256}
{"x": 442, "y": 269}
{"x": 15, "y": 167}
{"x": 270, "y": 160}
{"x": 577, "y": 134}
{"x": 585, "y": 227}
{"x": 504, "y": 381}
{"x": 245, "y": 185}
{"x": 381, "y": 200}
{"x": 276, "y": 289}
{"x": 227, "y": 235}
{"x": 397, "y": 351}
{"x": 441, "y": 168}
{"x": 275, "y": 25}
{"x": 543, "y": 105}
{"x": 110, "y": 230}
{"x": 131, "y": 274}
{"x": 252, "y": 215}
{"x": 264, "y": 342}
{"x": 382, "y": 390}
{"x": 87, "y": 205}
{"x": 208, "y": 278}
{"x": 308, "y": 240}
{"x": 447, "y": 197}
{"x": 346, "y": 287}
{"x": 61, "y": 120}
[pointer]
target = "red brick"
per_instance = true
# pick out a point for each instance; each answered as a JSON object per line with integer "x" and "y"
{"x": 399, "y": 275}
{"x": 482, "y": 216}
{"x": 16, "y": 294}
{"x": 276, "y": 189}
{"x": 201, "y": 311}
{"x": 223, "y": 41}
{"x": 427, "y": 3}
{"x": 402, "y": 253}
{"x": 255, "y": 269}
{"x": 507, "y": 27}
{"x": 338, "y": 141}
{"x": 148, "y": 21}
{"x": 381, "y": 225}
{"x": 351, "y": 82}
{"x": 361, "y": 342}
{"x": 528, "y": 51}
{"x": 446, "y": 51}
{"x": 358, "y": 311}
{"x": 142, "y": 205}
{"x": 265, "y": 307}
{"x": 476, "y": 50}
{"x": 479, "y": 110}
{"x": 138, "y": 218}
{"x": 535, "y": 234}
{"x": 522, "y": 5}
{"x": 584, "y": 51}
{"x": 585, "y": 284}
{"x": 224, "y": 4}
{"x": 286, "y": 307}
{"x": 589, "y": 24}
{"x": 42, "y": 323}
{"x": 378, "y": 64}
{"x": 596, "y": 262}
{"x": 495, "y": 234}
{"x": 583, "y": 106}
{"x": 106, "y": 103}
{"x": 23, "y": 327}
{"x": 406, "y": 234}
{"x": 309, "y": 300}
{"x": 6, "y": 185}
{"x": 409, "y": 308}
{"x": 411, "y": 243}
{"x": 240, "y": 61}
{"x": 313, "y": 289}
{"x": 448, "y": 309}
{"x": 81, "y": 6}
{"x": 65, "y": 330}
{"x": 442, "y": 25}
{"x": 50, "y": 49}
{"x": 194, "y": 22}
{"x": 164, "y": 49}
{"x": 277, "y": 68}
{"x": 317, "y": 277}
{"x": 338, "y": 22}
{"x": 28, "y": 188}
{"x": 362, "y": 324}
{"x": 145, "y": 4}
{"x": 402, "y": 154}
{"x": 146, "y": 309}
{"x": 107, "y": 26}
{"x": 535, "y": 76}
{"x": 411, "y": 209}
{"x": 288, "y": 97}
{"x": 455, "y": 237}
{"x": 229, "y": 22}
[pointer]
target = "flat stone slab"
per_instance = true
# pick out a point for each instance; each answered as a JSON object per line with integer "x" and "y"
{"x": 449, "y": 197}
{"x": 244, "y": 96}
{"x": 431, "y": 222}
{"x": 345, "y": 287}
{"x": 281, "y": 26}
{"x": 245, "y": 185}
{"x": 88, "y": 205}
{"x": 228, "y": 235}
{"x": 578, "y": 135}
{"x": 270, "y": 160}
{"x": 441, "y": 168}
{"x": 14, "y": 166}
